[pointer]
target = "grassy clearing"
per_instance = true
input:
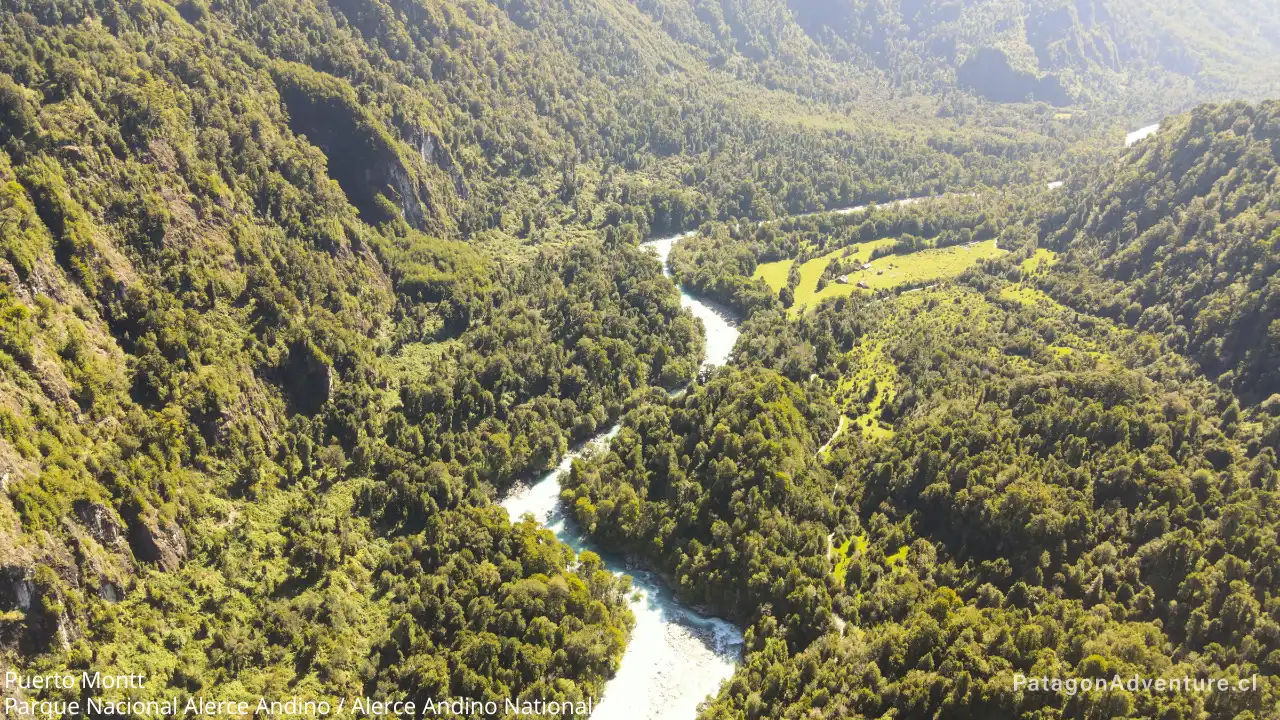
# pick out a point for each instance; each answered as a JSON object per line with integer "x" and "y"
{"x": 807, "y": 293}
{"x": 1070, "y": 343}
{"x": 1028, "y": 296}
{"x": 425, "y": 359}
{"x": 873, "y": 429}
{"x": 924, "y": 266}
{"x": 1042, "y": 260}
{"x": 844, "y": 555}
{"x": 898, "y": 557}
{"x": 870, "y": 383}
{"x": 842, "y": 559}
{"x": 774, "y": 273}
{"x": 885, "y": 273}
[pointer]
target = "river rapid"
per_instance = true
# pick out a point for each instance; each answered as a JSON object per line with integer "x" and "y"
{"x": 1141, "y": 134}
{"x": 721, "y": 336}
{"x": 677, "y": 657}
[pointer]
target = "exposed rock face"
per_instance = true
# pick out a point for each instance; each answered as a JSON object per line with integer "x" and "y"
{"x": 100, "y": 521}
{"x": 109, "y": 592}
{"x": 307, "y": 378}
{"x": 37, "y": 628}
{"x": 16, "y": 589}
{"x": 412, "y": 198}
{"x": 161, "y": 544}
{"x": 427, "y": 147}
{"x": 364, "y": 157}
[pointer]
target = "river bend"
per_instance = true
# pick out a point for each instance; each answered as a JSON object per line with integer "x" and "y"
{"x": 677, "y": 657}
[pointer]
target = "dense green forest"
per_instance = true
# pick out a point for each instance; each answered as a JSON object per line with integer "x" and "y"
{"x": 1031, "y": 476}
{"x": 250, "y": 437}
{"x": 1183, "y": 243}
{"x": 1134, "y": 55}
{"x": 292, "y": 291}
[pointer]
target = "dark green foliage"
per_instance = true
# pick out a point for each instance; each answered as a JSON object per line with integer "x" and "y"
{"x": 1032, "y": 508}
{"x": 721, "y": 489}
{"x": 1185, "y": 242}
{"x": 1056, "y": 493}
{"x": 271, "y": 431}
{"x": 291, "y": 290}
{"x": 715, "y": 266}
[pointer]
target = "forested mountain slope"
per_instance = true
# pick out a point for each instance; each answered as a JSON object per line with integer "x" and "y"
{"x": 1022, "y": 484}
{"x": 290, "y": 291}
{"x": 1054, "y": 497}
{"x": 525, "y": 119}
{"x": 1184, "y": 240}
{"x": 248, "y": 439}
{"x": 1149, "y": 57}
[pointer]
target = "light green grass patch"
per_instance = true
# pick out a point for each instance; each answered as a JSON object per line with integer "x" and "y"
{"x": 885, "y": 273}
{"x": 1029, "y": 296}
{"x": 425, "y": 359}
{"x": 774, "y": 273}
{"x": 842, "y": 560}
{"x": 1043, "y": 259}
{"x": 940, "y": 263}
{"x": 869, "y": 366}
{"x": 898, "y": 557}
{"x": 873, "y": 429}
{"x": 844, "y": 555}
{"x": 807, "y": 293}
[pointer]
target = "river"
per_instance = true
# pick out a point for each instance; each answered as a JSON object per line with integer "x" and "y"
{"x": 676, "y": 657}
{"x": 721, "y": 336}
{"x": 1141, "y": 134}
{"x": 850, "y": 210}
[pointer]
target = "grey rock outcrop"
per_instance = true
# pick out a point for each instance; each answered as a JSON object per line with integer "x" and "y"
{"x": 159, "y": 543}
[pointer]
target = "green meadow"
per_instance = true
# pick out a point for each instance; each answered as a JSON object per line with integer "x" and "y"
{"x": 886, "y": 273}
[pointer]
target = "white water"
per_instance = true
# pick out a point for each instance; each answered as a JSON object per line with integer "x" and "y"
{"x": 849, "y": 210}
{"x": 721, "y": 336}
{"x": 676, "y": 657}
{"x": 1140, "y": 134}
